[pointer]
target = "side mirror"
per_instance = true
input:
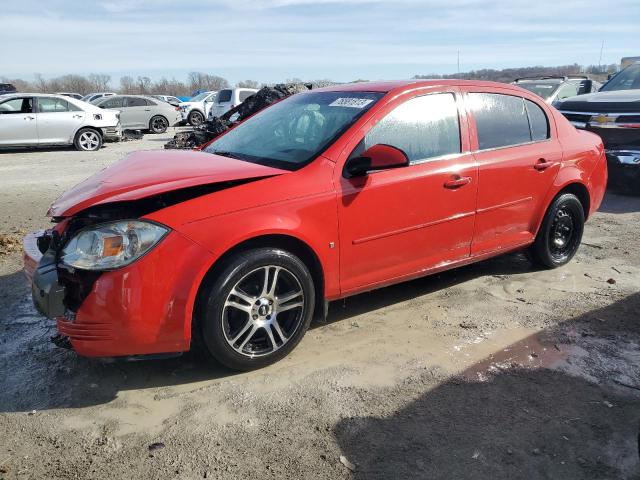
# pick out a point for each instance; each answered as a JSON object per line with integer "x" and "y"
{"x": 377, "y": 157}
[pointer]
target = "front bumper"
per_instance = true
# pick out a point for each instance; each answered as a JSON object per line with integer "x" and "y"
{"x": 624, "y": 170}
{"x": 143, "y": 308}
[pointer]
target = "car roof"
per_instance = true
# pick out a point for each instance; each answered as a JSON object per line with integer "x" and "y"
{"x": 28, "y": 94}
{"x": 405, "y": 85}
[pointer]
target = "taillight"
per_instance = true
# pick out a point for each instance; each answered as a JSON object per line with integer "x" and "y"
{"x": 178, "y": 109}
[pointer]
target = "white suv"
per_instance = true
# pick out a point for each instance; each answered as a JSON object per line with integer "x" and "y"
{"x": 196, "y": 109}
{"x": 228, "y": 99}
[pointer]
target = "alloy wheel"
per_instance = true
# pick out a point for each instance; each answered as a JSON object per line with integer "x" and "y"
{"x": 262, "y": 311}
{"x": 159, "y": 125}
{"x": 89, "y": 140}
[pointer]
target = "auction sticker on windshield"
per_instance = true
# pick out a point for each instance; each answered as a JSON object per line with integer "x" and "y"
{"x": 351, "y": 102}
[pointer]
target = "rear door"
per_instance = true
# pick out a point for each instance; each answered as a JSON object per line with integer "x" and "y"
{"x": 18, "y": 124}
{"x": 138, "y": 112}
{"x": 400, "y": 222}
{"x": 57, "y": 120}
{"x": 518, "y": 155}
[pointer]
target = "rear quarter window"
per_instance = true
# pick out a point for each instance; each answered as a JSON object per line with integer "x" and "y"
{"x": 538, "y": 121}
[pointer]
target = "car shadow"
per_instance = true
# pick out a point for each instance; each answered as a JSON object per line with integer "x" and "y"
{"x": 616, "y": 203}
{"x": 42, "y": 376}
{"x": 501, "y": 419}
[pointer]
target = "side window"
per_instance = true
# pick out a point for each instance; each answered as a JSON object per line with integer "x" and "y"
{"x": 244, "y": 95}
{"x": 538, "y": 121}
{"x": 224, "y": 96}
{"x": 51, "y": 105}
{"x": 501, "y": 120}
{"x": 16, "y": 105}
{"x": 115, "y": 102}
{"x": 136, "y": 102}
{"x": 423, "y": 127}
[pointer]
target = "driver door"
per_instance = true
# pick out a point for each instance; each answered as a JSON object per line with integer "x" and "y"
{"x": 401, "y": 222}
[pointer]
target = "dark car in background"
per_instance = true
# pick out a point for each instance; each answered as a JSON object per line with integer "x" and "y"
{"x": 6, "y": 88}
{"x": 614, "y": 114}
{"x": 553, "y": 89}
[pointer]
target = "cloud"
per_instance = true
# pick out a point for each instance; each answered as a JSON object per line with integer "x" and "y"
{"x": 274, "y": 39}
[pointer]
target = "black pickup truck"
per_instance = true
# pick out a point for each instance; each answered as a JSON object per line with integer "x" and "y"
{"x": 614, "y": 114}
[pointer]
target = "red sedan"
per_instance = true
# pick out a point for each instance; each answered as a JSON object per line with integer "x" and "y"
{"x": 323, "y": 195}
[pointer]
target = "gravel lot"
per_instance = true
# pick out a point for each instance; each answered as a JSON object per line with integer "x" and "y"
{"x": 495, "y": 370}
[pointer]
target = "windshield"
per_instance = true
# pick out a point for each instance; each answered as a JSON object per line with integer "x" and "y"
{"x": 544, "y": 90}
{"x": 627, "y": 79}
{"x": 200, "y": 97}
{"x": 293, "y": 132}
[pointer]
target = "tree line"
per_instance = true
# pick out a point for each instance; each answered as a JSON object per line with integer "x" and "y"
{"x": 128, "y": 84}
{"x": 204, "y": 81}
{"x": 506, "y": 75}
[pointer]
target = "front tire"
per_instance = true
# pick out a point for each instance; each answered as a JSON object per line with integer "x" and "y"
{"x": 257, "y": 309}
{"x": 158, "y": 124}
{"x": 195, "y": 118}
{"x": 560, "y": 233}
{"x": 88, "y": 140}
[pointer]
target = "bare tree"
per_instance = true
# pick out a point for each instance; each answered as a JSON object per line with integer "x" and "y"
{"x": 99, "y": 82}
{"x": 248, "y": 84}
{"x": 205, "y": 81}
{"x": 39, "y": 83}
{"x": 127, "y": 84}
{"x": 143, "y": 85}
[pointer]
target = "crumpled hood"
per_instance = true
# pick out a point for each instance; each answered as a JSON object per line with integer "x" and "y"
{"x": 143, "y": 174}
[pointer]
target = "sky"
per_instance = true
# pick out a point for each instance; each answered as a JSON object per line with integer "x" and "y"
{"x": 274, "y": 40}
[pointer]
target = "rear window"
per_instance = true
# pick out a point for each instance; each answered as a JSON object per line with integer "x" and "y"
{"x": 501, "y": 120}
{"x": 224, "y": 96}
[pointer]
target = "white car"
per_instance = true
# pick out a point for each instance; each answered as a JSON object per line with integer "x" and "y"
{"x": 170, "y": 99}
{"x": 40, "y": 119}
{"x": 197, "y": 108}
{"x": 229, "y": 98}
{"x": 92, "y": 97}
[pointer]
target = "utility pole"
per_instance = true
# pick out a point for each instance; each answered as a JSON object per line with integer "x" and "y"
{"x": 600, "y": 60}
{"x": 458, "y": 62}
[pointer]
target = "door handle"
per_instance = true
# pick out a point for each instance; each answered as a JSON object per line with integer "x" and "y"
{"x": 29, "y": 117}
{"x": 77, "y": 116}
{"x": 147, "y": 109}
{"x": 543, "y": 164}
{"x": 457, "y": 182}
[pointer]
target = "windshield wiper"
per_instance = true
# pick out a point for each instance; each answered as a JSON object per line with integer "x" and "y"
{"x": 224, "y": 153}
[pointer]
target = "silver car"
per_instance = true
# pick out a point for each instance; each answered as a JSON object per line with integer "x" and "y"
{"x": 40, "y": 119}
{"x": 141, "y": 112}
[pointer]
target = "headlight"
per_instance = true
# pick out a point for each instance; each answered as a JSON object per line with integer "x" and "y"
{"x": 112, "y": 245}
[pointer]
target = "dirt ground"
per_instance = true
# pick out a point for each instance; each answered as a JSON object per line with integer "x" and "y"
{"x": 496, "y": 370}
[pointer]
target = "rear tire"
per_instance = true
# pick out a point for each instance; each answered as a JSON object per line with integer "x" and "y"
{"x": 195, "y": 118}
{"x": 256, "y": 309}
{"x": 88, "y": 140}
{"x": 158, "y": 124}
{"x": 560, "y": 233}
